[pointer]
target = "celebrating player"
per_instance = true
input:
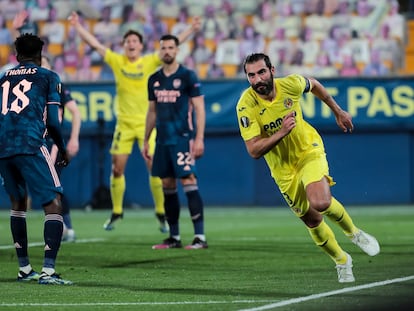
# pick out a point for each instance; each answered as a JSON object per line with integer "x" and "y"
{"x": 131, "y": 71}
{"x": 272, "y": 126}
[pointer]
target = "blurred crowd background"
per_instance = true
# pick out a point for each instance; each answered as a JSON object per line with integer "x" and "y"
{"x": 322, "y": 38}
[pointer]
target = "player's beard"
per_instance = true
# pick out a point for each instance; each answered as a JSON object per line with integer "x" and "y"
{"x": 264, "y": 87}
{"x": 167, "y": 59}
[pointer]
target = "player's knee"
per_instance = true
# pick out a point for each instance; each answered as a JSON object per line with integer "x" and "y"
{"x": 117, "y": 171}
{"x": 53, "y": 207}
{"x": 312, "y": 218}
{"x": 169, "y": 183}
{"x": 321, "y": 204}
{"x": 189, "y": 180}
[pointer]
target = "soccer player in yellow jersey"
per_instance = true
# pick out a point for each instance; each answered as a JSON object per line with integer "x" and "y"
{"x": 131, "y": 71}
{"x": 272, "y": 126}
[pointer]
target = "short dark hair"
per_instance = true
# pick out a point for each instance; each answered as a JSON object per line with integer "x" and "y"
{"x": 170, "y": 37}
{"x": 28, "y": 47}
{"x": 133, "y": 32}
{"x": 255, "y": 57}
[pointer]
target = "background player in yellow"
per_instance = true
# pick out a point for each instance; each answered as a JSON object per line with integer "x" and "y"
{"x": 131, "y": 71}
{"x": 272, "y": 126}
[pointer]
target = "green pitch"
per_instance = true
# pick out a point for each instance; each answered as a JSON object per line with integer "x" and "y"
{"x": 258, "y": 259}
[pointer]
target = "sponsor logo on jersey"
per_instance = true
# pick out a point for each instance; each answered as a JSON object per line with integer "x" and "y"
{"x": 176, "y": 83}
{"x": 262, "y": 111}
{"x": 131, "y": 75}
{"x": 245, "y": 122}
{"x": 274, "y": 125}
{"x": 242, "y": 108}
{"x": 167, "y": 96}
{"x": 288, "y": 102}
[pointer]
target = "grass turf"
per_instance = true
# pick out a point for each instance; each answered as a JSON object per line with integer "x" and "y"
{"x": 258, "y": 258}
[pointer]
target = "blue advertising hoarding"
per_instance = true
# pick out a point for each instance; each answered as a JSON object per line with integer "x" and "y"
{"x": 375, "y": 166}
{"x": 371, "y": 102}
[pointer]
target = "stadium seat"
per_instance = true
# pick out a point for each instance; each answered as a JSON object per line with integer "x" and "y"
{"x": 210, "y": 44}
{"x": 5, "y": 50}
{"x": 55, "y": 49}
{"x": 70, "y": 70}
{"x": 409, "y": 50}
{"x": 202, "y": 70}
{"x": 361, "y": 65}
{"x": 96, "y": 69}
{"x": 389, "y": 64}
{"x": 169, "y": 21}
{"x": 230, "y": 70}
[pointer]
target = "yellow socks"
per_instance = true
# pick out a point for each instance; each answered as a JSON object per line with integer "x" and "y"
{"x": 337, "y": 213}
{"x": 157, "y": 194}
{"x": 117, "y": 193}
{"x": 324, "y": 237}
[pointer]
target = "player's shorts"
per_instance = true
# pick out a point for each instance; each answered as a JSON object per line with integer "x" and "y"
{"x": 293, "y": 187}
{"x": 36, "y": 171}
{"x": 173, "y": 161}
{"x": 125, "y": 135}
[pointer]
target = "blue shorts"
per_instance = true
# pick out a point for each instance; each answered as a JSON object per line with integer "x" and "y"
{"x": 173, "y": 161}
{"x": 36, "y": 171}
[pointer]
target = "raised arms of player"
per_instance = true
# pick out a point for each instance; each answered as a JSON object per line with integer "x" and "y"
{"x": 18, "y": 22}
{"x": 86, "y": 36}
{"x": 198, "y": 146}
{"x": 149, "y": 127}
{"x": 194, "y": 27}
{"x": 343, "y": 118}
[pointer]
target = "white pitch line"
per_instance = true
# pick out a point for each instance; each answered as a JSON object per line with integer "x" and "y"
{"x": 43, "y": 243}
{"x": 331, "y": 293}
{"x": 152, "y": 303}
{"x": 265, "y": 307}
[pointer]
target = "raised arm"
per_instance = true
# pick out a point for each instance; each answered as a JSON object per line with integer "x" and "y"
{"x": 86, "y": 36}
{"x": 18, "y": 22}
{"x": 343, "y": 118}
{"x": 193, "y": 28}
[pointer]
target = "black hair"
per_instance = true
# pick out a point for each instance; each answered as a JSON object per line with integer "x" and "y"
{"x": 29, "y": 47}
{"x": 170, "y": 37}
{"x": 255, "y": 57}
{"x": 133, "y": 32}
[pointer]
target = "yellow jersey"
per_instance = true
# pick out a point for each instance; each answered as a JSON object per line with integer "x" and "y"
{"x": 131, "y": 84}
{"x": 259, "y": 117}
